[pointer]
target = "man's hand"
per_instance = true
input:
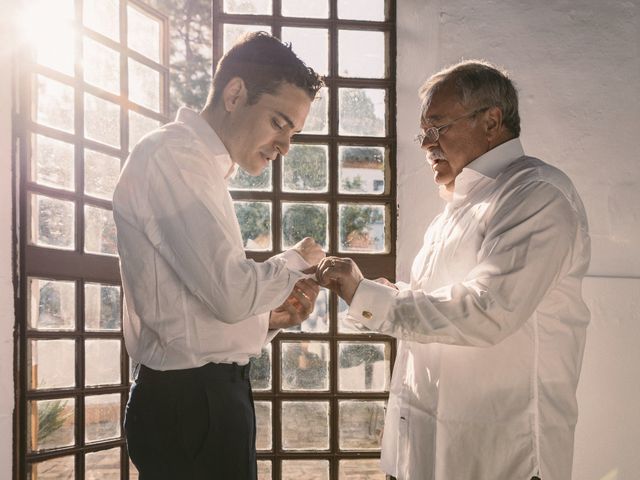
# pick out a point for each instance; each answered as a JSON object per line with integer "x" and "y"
{"x": 297, "y": 307}
{"x": 386, "y": 283}
{"x": 309, "y": 250}
{"x": 341, "y": 275}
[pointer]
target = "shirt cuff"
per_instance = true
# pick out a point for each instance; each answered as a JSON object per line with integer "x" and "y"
{"x": 271, "y": 334}
{"x": 371, "y": 304}
{"x": 294, "y": 260}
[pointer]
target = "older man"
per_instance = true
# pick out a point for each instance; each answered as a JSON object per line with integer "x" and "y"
{"x": 491, "y": 326}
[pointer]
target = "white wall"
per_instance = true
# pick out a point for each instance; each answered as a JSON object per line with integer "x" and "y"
{"x": 577, "y": 66}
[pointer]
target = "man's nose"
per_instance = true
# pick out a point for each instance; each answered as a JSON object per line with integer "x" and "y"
{"x": 427, "y": 144}
{"x": 283, "y": 145}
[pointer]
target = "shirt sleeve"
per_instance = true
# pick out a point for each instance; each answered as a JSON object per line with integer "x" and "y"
{"x": 527, "y": 247}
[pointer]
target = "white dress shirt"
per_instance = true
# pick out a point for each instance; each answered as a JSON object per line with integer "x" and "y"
{"x": 191, "y": 295}
{"x": 492, "y": 328}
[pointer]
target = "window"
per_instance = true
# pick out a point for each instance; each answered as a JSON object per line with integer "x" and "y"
{"x": 93, "y": 80}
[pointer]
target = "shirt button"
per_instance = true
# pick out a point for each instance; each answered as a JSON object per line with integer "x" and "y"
{"x": 367, "y": 315}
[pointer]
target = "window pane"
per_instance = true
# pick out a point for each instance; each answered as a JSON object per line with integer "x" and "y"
{"x": 52, "y": 304}
{"x": 264, "y": 470}
{"x": 55, "y": 47}
{"x": 361, "y": 170}
{"x": 54, "y": 469}
{"x": 102, "y": 16}
{"x": 52, "y": 162}
{"x": 362, "y": 112}
{"x": 101, "y": 307}
{"x": 361, "y": 54}
{"x": 233, "y": 32}
{"x": 363, "y": 367}
{"x": 362, "y": 228}
{"x": 101, "y": 174}
{"x": 133, "y": 471}
{"x": 314, "y": 416}
{"x": 99, "y": 231}
{"x": 102, "y": 465}
{"x": 263, "y": 425}
{"x": 139, "y": 126}
{"x": 102, "y": 362}
{"x": 300, "y": 220}
{"x": 318, "y": 321}
{"x": 311, "y": 45}
{"x": 259, "y": 7}
{"x": 102, "y": 417}
{"x": 305, "y": 168}
{"x": 296, "y": 8}
{"x": 307, "y": 469}
{"x": 51, "y": 364}
{"x": 101, "y": 66}
{"x": 368, "y": 469}
{"x": 317, "y": 119}
{"x": 52, "y": 222}
{"x": 361, "y": 424}
{"x": 361, "y": 10}
{"x": 144, "y": 85}
{"x": 101, "y": 120}
{"x": 243, "y": 181}
{"x": 143, "y": 33}
{"x": 261, "y": 370}
{"x": 51, "y": 424}
{"x": 305, "y": 366}
{"x": 255, "y": 224}
{"x": 53, "y": 104}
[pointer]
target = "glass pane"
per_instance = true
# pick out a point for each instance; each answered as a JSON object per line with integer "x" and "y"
{"x": 53, "y": 104}
{"x": 363, "y": 367}
{"x": 255, "y": 224}
{"x": 261, "y": 370}
{"x": 368, "y": 469}
{"x": 307, "y": 469}
{"x": 52, "y": 222}
{"x": 61, "y": 468}
{"x": 102, "y": 16}
{"x": 52, "y": 364}
{"x": 139, "y": 126}
{"x": 361, "y": 424}
{"x": 101, "y": 120}
{"x": 362, "y": 228}
{"x": 51, "y": 424}
{"x": 362, "y": 112}
{"x": 102, "y": 417}
{"x": 263, "y": 425}
{"x": 233, "y": 32}
{"x": 318, "y": 321}
{"x": 314, "y": 416}
{"x": 296, "y": 8}
{"x": 361, "y": 10}
{"x": 101, "y": 66}
{"x": 144, "y": 85}
{"x": 101, "y": 174}
{"x": 52, "y": 162}
{"x": 143, "y": 33}
{"x": 317, "y": 119}
{"x": 361, "y": 54}
{"x": 305, "y": 366}
{"x": 258, "y": 7}
{"x": 361, "y": 170}
{"x": 133, "y": 471}
{"x": 243, "y": 181}
{"x": 300, "y": 220}
{"x": 305, "y": 168}
{"x": 102, "y": 465}
{"x": 264, "y": 470}
{"x": 102, "y": 362}
{"x": 52, "y": 304}
{"x": 54, "y": 45}
{"x": 344, "y": 325}
{"x": 99, "y": 231}
{"x": 311, "y": 45}
{"x": 101, "y": 307}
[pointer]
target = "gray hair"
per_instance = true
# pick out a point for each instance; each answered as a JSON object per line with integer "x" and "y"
{"x": 478, "y": 84}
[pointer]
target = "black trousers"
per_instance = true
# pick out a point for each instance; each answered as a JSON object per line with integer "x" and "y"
{"x": 192, "y": 424}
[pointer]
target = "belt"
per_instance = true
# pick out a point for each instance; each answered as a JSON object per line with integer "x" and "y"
{"x": 208, "y": 371}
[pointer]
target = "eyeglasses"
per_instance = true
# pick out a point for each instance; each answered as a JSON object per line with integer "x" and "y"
{"x": 432, "y": 134}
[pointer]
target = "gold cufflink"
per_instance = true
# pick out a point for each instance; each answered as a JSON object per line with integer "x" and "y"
{"x": 367, "y": 315}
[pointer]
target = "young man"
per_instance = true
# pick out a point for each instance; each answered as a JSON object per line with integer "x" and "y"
{"x": 492, "y": 325}
{"x": 196, "y": 309}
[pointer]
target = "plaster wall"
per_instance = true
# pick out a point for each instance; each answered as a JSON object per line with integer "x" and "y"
{"x": 576, "y": 64}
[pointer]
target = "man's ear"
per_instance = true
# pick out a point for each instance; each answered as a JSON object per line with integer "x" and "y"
{"x": 493, "y": 122}
{"x": 234, "y": 94}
